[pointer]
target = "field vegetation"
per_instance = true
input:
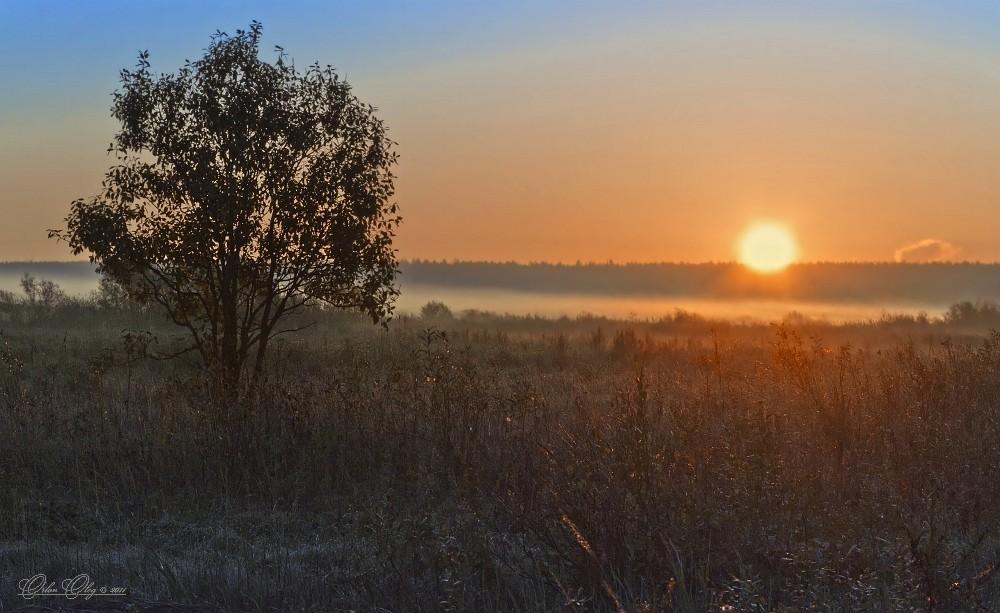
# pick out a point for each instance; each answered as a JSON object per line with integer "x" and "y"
{"x": 480, "y": 462}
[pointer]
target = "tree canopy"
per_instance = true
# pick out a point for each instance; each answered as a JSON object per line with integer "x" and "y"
{"x": 242, "y": 192}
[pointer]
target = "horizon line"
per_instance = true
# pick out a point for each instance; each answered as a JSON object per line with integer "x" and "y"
{"x": 612, "y": 262}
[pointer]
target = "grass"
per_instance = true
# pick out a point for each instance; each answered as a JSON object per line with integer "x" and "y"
{"x": 486, "y": 463}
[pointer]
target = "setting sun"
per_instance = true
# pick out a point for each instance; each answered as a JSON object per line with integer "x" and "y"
{"x": 767, "y": 247}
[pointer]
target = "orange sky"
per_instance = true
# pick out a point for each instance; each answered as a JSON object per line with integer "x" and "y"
{"x": 660, "y": 138}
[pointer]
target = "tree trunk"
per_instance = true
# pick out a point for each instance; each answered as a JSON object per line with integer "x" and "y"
{"x": 258, "y": 366}
{"x": 229, "y": 358}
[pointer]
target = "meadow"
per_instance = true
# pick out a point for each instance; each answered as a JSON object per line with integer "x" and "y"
{"x": 479, "y": 462}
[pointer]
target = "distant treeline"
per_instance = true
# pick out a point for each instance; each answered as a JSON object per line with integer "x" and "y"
{"x": 933, "y": 283}
{"x": 48, "y": 269}
{"x": 76, "y": 278}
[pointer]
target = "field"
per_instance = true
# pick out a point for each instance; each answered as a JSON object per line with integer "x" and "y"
{"x": 488, "y": 463}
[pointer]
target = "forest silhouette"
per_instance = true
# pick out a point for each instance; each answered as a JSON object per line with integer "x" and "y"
{"x": 937, "y": 283}
{"x": 855, "y": 282}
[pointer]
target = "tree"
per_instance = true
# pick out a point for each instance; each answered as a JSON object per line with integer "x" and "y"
{"x": 42, "y": 293}
{"x": 436, "y": 310}
{"x": 244, "y": 191}
{"x": 111, "y": 295}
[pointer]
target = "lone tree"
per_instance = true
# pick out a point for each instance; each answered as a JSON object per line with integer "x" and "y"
{"x": 243, "y": 191}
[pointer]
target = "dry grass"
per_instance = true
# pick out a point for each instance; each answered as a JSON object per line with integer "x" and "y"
{"x": 511, "y": 465}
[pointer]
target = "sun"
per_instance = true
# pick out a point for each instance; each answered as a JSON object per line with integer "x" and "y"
{"x": 767, "y": 247}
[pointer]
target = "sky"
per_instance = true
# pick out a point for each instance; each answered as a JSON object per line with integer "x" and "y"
{"x": 566, "y": 131}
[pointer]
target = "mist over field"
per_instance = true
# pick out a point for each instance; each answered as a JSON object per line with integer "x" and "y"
{"x": 833, "y": 291}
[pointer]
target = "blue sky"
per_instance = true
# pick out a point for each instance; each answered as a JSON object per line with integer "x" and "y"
{"x": 543, "y": 130}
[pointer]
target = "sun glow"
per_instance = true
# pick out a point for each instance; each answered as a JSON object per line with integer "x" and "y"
{"x": 767, "y": 247}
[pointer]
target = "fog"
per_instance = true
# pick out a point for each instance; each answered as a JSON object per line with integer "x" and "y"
{"x": 461, "y": 292}
{"x": 413, "y": 297}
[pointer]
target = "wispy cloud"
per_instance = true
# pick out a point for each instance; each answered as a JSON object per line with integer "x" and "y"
{"x": 927, "y": 250}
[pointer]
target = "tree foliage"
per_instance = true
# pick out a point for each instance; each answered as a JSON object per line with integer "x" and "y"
{"x": 42, "y": 294}
{"x": 242, "y": 192}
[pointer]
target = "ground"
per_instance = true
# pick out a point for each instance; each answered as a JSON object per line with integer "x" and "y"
{"x": 484, "y": 463}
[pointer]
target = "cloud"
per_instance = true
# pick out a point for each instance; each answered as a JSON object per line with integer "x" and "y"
{"x": 927, "y": 250}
